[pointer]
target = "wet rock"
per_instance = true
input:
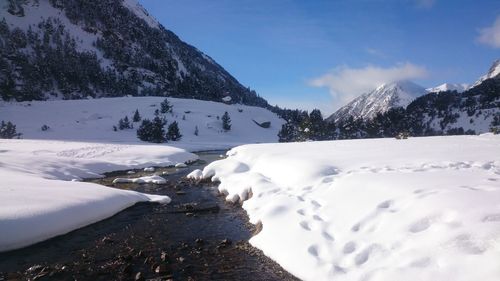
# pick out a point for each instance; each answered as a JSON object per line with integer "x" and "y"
{"x": 107, "y": 240}
{"x": 34, "y": 268}
{"x": 139, "y": 277}
{"x": 226, "y": 242}
{"x": 161, "y": 269}
{"x": 128, "y": 269}
{"x": 149, "y": 260}
{"x": 180, "y": 193}
{"x": 164, "y": 257}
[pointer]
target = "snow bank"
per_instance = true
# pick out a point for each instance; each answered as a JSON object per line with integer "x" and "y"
{"x": 384, "y": 209}
{"x": 40, "y": 196}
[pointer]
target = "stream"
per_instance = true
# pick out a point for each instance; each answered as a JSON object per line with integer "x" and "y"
{"x": 198, "y": 236}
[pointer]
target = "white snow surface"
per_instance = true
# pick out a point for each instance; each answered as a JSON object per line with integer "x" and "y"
{"x": 380, "y": 209}
{"x": 93, "y": 120}
{"x": 40, "y": 193}
{"x": 448, "y": 87}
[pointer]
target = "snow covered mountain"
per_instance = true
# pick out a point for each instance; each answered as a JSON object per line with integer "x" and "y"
{"x": 71, "y": 49}
{"x": 385, "y": 97}
{"x": 448, "y": 87}
{"x": 492, "y": 73}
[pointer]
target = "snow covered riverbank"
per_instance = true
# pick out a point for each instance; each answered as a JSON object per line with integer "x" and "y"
{"x": 39, "y": 200}
{"x": 377, "y": 209}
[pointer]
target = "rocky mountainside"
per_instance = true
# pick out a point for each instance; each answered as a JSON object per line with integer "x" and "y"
{"x": 72, "y": 49}
{"x": 380, "y": 100}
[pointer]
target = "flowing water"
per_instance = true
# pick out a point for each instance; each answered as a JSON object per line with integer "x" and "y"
{"x": 198, "y": 236}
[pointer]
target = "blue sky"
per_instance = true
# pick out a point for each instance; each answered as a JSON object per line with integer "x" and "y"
{"x": 320, "y": 54}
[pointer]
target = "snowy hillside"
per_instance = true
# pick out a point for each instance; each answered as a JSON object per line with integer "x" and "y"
{"x": 74, "y": 48}
{"x": 448, "y": 87}
{"x": 378, "y": 209}
{"x": 398, "y": 94}
{"x": 93, "y": 120}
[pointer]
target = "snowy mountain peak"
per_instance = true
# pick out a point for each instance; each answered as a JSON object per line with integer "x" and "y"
{"x": 383, "y": 98}
{"x": 448, "y": 87}
{"x": 492, "y": 73}
{"x": 141, "y": 12}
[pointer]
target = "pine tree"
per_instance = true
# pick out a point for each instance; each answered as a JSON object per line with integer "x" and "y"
{"x": 124, "y": 124}
{"x": 145, "y": 129}
{"x": 165, "y": 106}
{"x": 287, "y": 133}
{"x": 137, "y": 116}
{"x": 173, "y": 133}
{"x": 158, "y": 132}
{"x": 8, "y": 131}
{"x": 152, "y": 131}
{"x": 226, "y": 122}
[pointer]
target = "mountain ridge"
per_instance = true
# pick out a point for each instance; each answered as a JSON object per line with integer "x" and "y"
{"x": 72, "y": 49}
{"x": 383, "y": 98}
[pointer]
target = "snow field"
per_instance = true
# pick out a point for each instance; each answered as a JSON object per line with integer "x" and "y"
{"x": 93, "y": 120}
{"x": 378, "y": 209}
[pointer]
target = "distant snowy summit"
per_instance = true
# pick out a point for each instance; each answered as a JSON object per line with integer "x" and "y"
{"x": 494, "y": 72}
{"x": 400, "y": 94}
{"x": 380, "y": 100}
{"x": 448, "y": 87}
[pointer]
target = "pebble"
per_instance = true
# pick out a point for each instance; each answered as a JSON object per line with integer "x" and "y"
{"x": 161, "y": 269}
{"x": 139, "y": 277}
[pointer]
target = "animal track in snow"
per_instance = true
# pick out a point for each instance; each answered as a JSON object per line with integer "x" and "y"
{"x": 313, "y": 250}
{"x": 305, "y": 225}
{"x": 349, "y": 247}
{"x": 317, "y": 218}
{"x": 327, "y": 236}
{"x": 301, "y": 212}
{"x": 420, "y": 225}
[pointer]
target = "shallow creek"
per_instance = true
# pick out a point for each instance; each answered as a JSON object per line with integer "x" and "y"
{"x": 198, "y": 236}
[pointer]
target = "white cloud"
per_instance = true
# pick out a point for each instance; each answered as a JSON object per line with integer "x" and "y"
{"x": 346, "y": 83}
{"x": 491, "y": 35}
{"x": 427, "y": 4}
